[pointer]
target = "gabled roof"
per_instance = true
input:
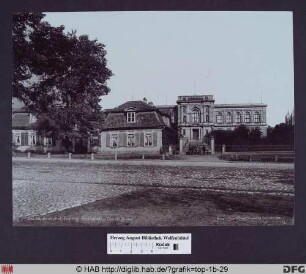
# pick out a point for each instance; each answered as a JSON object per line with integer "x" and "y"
{"x": 137, "y": 105}
{"x": 21, "y": 120}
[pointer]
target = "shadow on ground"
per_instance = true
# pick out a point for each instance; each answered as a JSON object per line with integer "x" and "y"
{"x": 174, "y": 207}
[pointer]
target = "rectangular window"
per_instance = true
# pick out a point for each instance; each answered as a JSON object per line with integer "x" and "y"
{"x": 219, "y": 119}
{"x": 196, "y": 117}
{"x": 148, "y": 140}
{"x": 47, "y": 141}
{"x": 247, "y": 118}
{"x": 184, "y": 132}
{"x": 17, "y": 139}
{"x": 228, "y": 118}
{"x": 131, "y": 140}
{"x": 32, "y": 139}
{"x": 257, "y": 118}
{"x": 114, "y": 140}
{"x": 184, "y": 119}
{"x": 131, "y": 117}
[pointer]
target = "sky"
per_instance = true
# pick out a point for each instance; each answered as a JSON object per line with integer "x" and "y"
{"x": 238, "y": 57}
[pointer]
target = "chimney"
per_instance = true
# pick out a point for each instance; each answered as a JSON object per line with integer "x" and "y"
{"x": 150, "y": 103}
{"x": 145, "y": 99}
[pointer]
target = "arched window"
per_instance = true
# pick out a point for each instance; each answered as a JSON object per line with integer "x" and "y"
{"x": 207, "y": 118}
{"x": 247, "y": 117}
{"x": 183, "y": 109}
{"x": 219, "y": 118}
{"x": 229, "y": 118}
{"x": 195, "y": 115}
{"x": 256, "y": 117}
{"x": 238, "y": 117}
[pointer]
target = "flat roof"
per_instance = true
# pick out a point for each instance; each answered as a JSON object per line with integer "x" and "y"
{"x": 240, "y": 105}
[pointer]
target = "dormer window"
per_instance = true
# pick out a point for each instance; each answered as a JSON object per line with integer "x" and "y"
{"x": 131, "y": 117}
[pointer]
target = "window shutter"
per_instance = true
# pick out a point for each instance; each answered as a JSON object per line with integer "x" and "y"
{"x": 137, "y": 139}
{"x": 107, "y": 139}
{"x": 124, "y": 139}
{"x": 155, "y": 138}
{"x": 141, "y": 139}
{"x": 24, "y": 138}
{"x": 120, "y": 139}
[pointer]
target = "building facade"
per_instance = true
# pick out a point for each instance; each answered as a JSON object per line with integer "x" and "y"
{"x": 137, "y": 127}
{"x": 24, "y": 134}
{"x": 141, "y": 127}
{"x": 199, "y": 115}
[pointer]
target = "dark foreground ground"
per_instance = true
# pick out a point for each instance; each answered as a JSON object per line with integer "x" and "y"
{"x": 168, "y": 207}
{"x": 62, "y": 193}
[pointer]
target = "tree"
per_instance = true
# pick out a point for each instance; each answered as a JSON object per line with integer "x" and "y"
{"x": 282, "y": 134}
{"x": 223, "y": 137}
{"x": 59, "y": 76}
{"x": 23, "y": 25}
{"x": 255, "y": 136}
{"x": 241, "y": 135}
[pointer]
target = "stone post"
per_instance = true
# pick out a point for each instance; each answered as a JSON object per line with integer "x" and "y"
{"x": 69, "y": 155}
{"x": 116, "y": 155}
{"x": 49, "y": 155}
{"x": 88, "y": 145}
{"x": 143, "y": 156}
{"x": 73, "y": 144}
{"x": 212, "y": 145}
{"x": 92, "y": 156}
{"x": 29, "y": 154}
{"x": 170, "y": 150}
{"x": 181, "y": 146}
{"x": 223, "y": 149}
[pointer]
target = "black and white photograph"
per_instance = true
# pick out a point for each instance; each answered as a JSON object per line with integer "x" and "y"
{"x": 153, "y": 119}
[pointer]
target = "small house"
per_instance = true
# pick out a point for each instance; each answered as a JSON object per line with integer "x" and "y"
{"x": 137, "y": 127}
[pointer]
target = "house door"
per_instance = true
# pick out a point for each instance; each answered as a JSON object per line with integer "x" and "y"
{"x": 196, "y": 134}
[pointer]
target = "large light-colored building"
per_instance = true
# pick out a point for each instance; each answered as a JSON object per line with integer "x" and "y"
{"x": 199, "y": 115}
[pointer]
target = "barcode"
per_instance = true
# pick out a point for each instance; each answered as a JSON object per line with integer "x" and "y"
{"x": 175, "y": 246}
